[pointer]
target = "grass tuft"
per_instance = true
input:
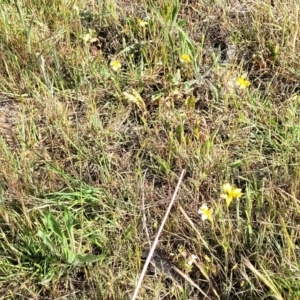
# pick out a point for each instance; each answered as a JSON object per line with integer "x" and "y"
{"x": 103, "y": 104}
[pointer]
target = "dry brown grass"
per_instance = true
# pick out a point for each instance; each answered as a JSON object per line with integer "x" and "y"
{"x": 81, "y": 145}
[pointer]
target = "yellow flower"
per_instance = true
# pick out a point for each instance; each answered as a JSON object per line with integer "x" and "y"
{"x": 142, "y": 23}
{"x": 230, "y": 193}
{"x": 115, "y": 65}
{"x": 242, "y": 82}
{"x": 185, "y": 58}
{"x": 205, "y": 212}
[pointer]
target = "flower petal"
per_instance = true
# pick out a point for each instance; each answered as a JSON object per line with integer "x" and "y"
{"x": 185, "y": 58}
{"x": 243, "y": 83}
{"x": 203, "y": 217}
{"x": 224, "y": 196}
{"x": 227, "y": 187}
{"x": 115, "y": 65}
{"x": 205, "y": 212}
{"x": 237, "y": 193}
{"x": 142, "y": 23}
{"x": 228, "y": 201}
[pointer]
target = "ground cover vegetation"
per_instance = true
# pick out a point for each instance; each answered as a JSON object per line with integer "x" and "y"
{"x": 104, "y": 103}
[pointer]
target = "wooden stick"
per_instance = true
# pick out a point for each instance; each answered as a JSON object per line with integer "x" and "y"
{"x": 137, "y": 288}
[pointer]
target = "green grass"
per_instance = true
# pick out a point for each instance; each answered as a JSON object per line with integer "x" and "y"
{"x": 90, "y": 157}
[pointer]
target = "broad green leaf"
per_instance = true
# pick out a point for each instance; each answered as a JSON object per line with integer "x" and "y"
{"x": 46, "y": 240}
{"x": 54, "y": 226}
{"x": 70, "y": 256}
{"x": 180, "y": 134}
{"x": 87, "y": 258}
{"x": 69, "y": 225}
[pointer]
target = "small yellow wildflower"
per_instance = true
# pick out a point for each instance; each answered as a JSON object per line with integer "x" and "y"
{"x": 115, "y": 65}
{"x": 205, "y": 212}
{"x": 142, "y": 23}
{"x": 230, "y": 193}
{"x": 242, "y": 82}
{"x": 185, "y": 58}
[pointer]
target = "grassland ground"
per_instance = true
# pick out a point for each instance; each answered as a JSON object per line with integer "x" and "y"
{"x": 104, "y": 103}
